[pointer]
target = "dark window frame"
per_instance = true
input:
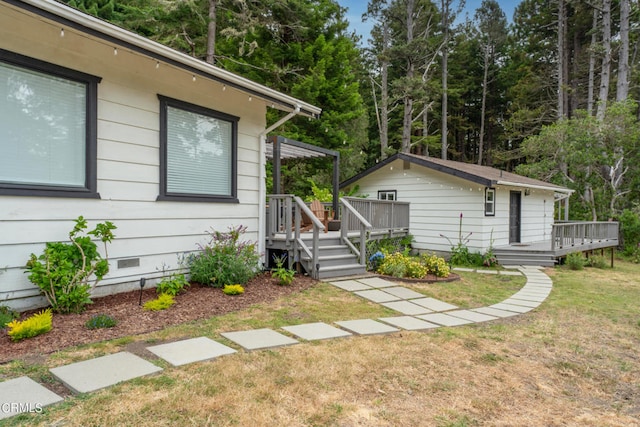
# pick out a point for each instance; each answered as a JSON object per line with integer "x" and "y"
{"x": 164, "y": 195}
{"x": 487, "y": 191}
{"x": 90, "y": 189}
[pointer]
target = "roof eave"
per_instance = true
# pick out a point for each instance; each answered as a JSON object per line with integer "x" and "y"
{"x": 73, "y": 18}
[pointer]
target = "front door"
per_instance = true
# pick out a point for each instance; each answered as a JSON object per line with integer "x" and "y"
{"x": 514, "y": 217}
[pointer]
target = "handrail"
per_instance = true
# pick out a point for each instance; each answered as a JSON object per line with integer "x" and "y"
{"x": 318, "y": 226}
{"x": 349, "y": 212}
{"x": 580, "y": 233}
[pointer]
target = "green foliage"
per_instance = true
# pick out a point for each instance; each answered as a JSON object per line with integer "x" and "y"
{"x": 101, "y": 321}
{"x": 400, "y": 265}
{"x": 32, "y": 326}
{"x": 387, "y": 245}
{"x": 460, "y": 254}
{"x": 6, "y": 316}
{"x": 630, "y": 231}
{"x": 575, "y": 261}
{"x": 284, "y": 275}
{"x": 597, "y": 261}
{"x": 66, "y": 272}
{"x": 233, "y": 289}
{"x": 225, "y": 260}
{"x": 172, "y": 285}
{"x": 163, "y": 302}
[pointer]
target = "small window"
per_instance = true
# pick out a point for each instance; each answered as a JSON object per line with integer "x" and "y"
{"x": 48, "y": 129}
{"x": 198, "y": 153}
{"x": 489, "y": 201}
{"x": 387, "y": 195}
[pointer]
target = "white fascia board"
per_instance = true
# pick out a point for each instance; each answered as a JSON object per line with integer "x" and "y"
{"x": 164, "y": 53}
{"x": 536, "y": 187}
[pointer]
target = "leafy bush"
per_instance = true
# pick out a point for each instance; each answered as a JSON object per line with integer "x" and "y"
{"x": 284, "y": 275}
{"x": 163, "y": 302}
{"x": 101, "y": 321}
{"x": 630, "y": 231}
{"x": 575, "y": 261}
{"x": 66, "y": 272}
{"x": 172, "y": 285}
{"x": 32, "y": 326}
{"x": 402, "y": 265}
{"x": 387, "y": 245}
{"x": 225, "y": 260}
{"x": 6, "y": 316}
{"x": 597, "y": 261}
{"x": 233, "y": 289}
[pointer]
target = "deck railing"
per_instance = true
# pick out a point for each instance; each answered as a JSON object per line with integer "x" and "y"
{"x": 566, "y": 234}
{"x": 383, "y": 215}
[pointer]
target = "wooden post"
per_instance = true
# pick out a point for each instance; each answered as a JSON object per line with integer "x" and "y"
{"x": 612, "y": 248}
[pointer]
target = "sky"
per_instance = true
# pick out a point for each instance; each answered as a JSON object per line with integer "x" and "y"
{"x": 357, "y": 7}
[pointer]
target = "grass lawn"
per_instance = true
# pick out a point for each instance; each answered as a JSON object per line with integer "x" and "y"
{"x": 573, "y": 361}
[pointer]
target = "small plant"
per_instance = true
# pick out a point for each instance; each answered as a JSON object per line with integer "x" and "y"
{"x": 225, "y": 260}
{"x": 163, "y": 302}
{"x": 597, "y": 261}
{"x": 489, "y": 259}
{"x": 6, "y": 316}
{"x": 284, "y": 275}
{"x": 101, "y": 321}
{"x": 174, "y": 283}
{"x": 233, "y": 290}
{"x": 460, "y": 254}
{"x": 575, "y": 261}
{"x": 375, "y": 260}
{"x": 32, "y": 326}
{"x": 436, "y": 265}
{"x": 66, "y": 272}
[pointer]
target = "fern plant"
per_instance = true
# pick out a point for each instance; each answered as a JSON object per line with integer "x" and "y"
{"x": 163, "y": 302}
{"x": 32, "y": 326}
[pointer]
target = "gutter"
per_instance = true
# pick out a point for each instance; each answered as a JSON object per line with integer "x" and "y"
{"x": 536, "y": 187}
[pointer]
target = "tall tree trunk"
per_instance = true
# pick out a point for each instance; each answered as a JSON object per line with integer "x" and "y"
{"x": 562, "y": 22}
{"x": 483, "y": 110}
{"x": 592, "y": 63}
{"x": 445, "y": 72}
{"x": 622, "y": 88}
{"x": 408, "y": 96}
{"x": 211, "y": 32}
{"x": 606, "y": 60}
{"x": 384, "y": 91}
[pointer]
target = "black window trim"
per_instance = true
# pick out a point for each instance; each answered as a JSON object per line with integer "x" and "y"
{"x": 90, "y": 189}
{"x": 493, "y": 203}
{"x": 164, "y": 195}
{"x": 394, "y": 192}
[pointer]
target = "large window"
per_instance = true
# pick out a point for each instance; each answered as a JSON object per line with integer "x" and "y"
{"x": 198, "y": 153}
{"x": 48, "y": 119}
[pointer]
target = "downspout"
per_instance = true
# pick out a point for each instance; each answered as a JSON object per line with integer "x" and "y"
{"x": 262, "y": 203}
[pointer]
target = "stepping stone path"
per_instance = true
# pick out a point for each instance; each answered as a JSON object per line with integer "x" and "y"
{"x": 417, "y": 312}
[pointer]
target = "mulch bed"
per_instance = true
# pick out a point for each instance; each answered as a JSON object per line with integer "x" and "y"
{"x": 198, "y": 302}
{"x": 431, "y": 278}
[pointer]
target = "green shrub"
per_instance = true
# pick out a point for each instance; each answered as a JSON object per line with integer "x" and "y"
{"x": 32, "y": 326}
{"x": 163, "y": 302}
{"x": 284, "y": 275}
{"x": 172, "y": 285}
{"x": 6, "y": 316}
{"x": 225, "y": 260}
{"x": 66, "y": 272}
{"x": 100, "y": 321}
{"x": 575, "y": 261}
{"x": 402, "y": 265}
{"x": 436, "y": 265}
{"x": 630, "y": 231}
{"x": 597, "y": 261}
{"x": 233, "y": 289}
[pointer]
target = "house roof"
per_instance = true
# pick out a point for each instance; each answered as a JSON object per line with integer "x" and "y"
{"x": 483, "y": 175}
{"x": 69, "y": 17}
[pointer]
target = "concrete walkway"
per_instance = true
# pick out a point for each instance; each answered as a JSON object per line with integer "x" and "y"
{"x": 416, "y": 312}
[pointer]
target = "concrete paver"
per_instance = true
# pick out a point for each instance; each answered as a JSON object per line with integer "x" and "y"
{"x": 409, "y": 323}
{"x": 351, "y": 285}
{"x": 434, "y": 304}
{"x": 95, "y": 374}
{"x": 510, "y": 307}
{"x": 524, "y": 303}
{"x": 377, "y": 282}
{"x": 404, "y": 293}
{"x": 444, "y": 319}
{"x": 376, "y": 295}
{"x": 256, "y": 339}
{"x": 494, "y": 312}
{"x": 406, "y": 307}
{"x": 471, "y": 315}
{"x": 191, "y": 350}
{"x": 23, "y": 394}
{"x": 367, "y": 327}
{"x": 316, "y": 331}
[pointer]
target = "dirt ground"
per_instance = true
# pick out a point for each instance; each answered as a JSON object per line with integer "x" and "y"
{"x": 197, "y": 302}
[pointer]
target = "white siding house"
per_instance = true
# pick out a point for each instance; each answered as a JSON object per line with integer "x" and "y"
{"x": 497, "y": 208}
{"x": 100, "y": 122}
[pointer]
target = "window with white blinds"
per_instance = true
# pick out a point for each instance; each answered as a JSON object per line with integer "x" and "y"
{"x": 198, "y": 153}
{"x": 44, "y": 122}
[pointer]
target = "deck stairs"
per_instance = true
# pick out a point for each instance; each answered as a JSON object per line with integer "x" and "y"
{"x": 335, "y": 258}
{"x": 525, "y": 256}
